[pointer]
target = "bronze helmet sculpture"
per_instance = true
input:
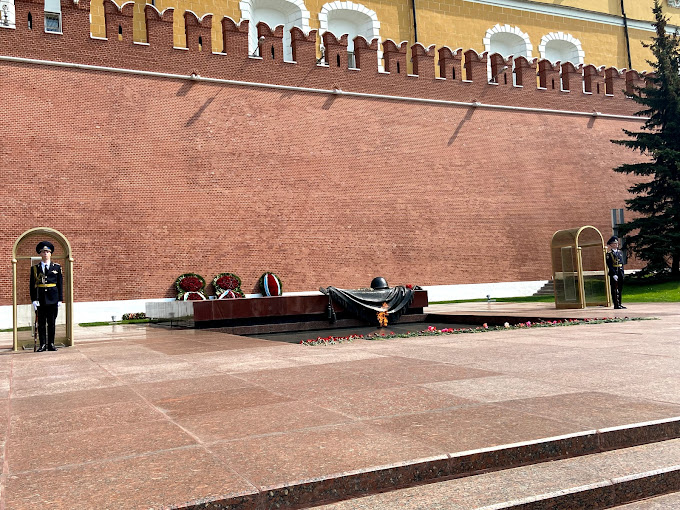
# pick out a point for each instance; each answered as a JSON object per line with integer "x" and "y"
{"x": 379, "y": 283}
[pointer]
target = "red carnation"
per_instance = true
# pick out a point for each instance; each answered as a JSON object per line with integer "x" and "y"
{"x": 228, "y": 282}
{"x": 191, "y": 284}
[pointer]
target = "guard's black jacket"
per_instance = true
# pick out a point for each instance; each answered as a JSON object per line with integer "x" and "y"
{"x": 47, "y": 288}
{"x": 615, "y": 263}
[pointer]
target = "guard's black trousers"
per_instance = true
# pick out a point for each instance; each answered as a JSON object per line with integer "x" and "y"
{"x": 617, "y": 290}
{"x": 47, "y": 318}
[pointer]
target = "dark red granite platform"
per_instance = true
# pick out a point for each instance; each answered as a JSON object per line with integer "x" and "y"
{"x": 230, "y": 312}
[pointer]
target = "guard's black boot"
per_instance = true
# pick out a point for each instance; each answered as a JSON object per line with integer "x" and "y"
{"x": 42, "y": 348}
{"x": 51, "y": 347}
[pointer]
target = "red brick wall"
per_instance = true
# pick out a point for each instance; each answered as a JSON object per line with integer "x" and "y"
{"x": 152, "y": 177}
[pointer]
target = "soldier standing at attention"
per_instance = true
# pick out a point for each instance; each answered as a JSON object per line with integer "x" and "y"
{"x": 615, "y": 270}
{"x": 46, "y": 294}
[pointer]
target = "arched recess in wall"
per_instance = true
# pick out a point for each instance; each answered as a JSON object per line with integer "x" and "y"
{"x": 563, "y": 47}
{"x": 507, "y": 41}
{"x": 289, "y": 13}
{"x": 7, "y": 14}
{"x": 352, "y": 19}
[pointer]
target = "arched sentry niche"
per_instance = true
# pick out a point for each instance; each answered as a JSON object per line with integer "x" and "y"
{"x": 23, "y": 257}
{"x": 352, "y": 19}
{"x": 290, "y": 14}
{"x": 563, "y": 47}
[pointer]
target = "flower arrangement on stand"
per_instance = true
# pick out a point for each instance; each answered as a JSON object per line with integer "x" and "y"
{"x": 190, "y": 287}
{"x": 227, "y": 286}
{"x": 270, "y": 285}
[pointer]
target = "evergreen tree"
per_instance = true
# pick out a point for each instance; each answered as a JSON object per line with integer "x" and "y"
{"x": 657, "y": 199}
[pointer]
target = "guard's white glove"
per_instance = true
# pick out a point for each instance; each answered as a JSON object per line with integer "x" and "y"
{"x": 616, "y": 278}
{"x": 36, "y": 304}
{"x": 59, "y": 304}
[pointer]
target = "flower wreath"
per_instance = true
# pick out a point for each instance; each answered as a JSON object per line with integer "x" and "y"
{"x": 190, "y": 296}
{"x": 227, "y": 285}
{"x": 270, "y": 285}
{"x": 190, "y": 287}
{"x": 231, "y": 294}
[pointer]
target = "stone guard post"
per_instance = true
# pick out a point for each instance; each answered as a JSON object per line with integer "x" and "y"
{"x": 39, "y": 234}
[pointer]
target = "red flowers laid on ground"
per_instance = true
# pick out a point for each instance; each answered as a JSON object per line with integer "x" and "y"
{"x": 330, "y": 340}
{"x": 433, "y": 331}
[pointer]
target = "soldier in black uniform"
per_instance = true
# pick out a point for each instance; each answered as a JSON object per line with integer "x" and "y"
{"x": 46, "y": 294}
{"x": 615, "y": 270}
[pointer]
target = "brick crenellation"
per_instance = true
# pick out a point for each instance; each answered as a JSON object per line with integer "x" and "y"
{"x": 463, "y": 76}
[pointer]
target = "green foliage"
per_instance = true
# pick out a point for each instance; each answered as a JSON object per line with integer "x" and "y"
{"x": 635, "y": 290}
{"x": 656, "y": 229}
{"x": 20, "y": 328}
{"x": 643, "y": 292}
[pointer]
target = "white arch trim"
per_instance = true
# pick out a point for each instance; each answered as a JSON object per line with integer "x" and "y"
{"x": 294, "y": 12}
{"x": 246, "y": 7}
{"x": 498, "y": 28}
{"x": 561, "y": 36}
{"x": 346, "y": 6}
{"x": 351, "y": 6}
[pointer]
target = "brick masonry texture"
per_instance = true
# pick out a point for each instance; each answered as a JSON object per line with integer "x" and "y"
{"x": 152, "y": 177}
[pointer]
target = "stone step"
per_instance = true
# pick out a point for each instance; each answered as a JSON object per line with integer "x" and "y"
{"x": 600, "y": 480}
{"x": 666, "y": 502}
{"x": 547, "y": 290}
{"x": 466, "y": 469}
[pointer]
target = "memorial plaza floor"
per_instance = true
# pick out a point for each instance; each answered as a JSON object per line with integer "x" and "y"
{"x": 142, "y": 416}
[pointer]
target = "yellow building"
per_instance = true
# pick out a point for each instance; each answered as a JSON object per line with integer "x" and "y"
{"x": 599, "y": 32}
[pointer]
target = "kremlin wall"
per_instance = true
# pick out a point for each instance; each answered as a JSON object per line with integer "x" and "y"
{"x": 155, "y": 160}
